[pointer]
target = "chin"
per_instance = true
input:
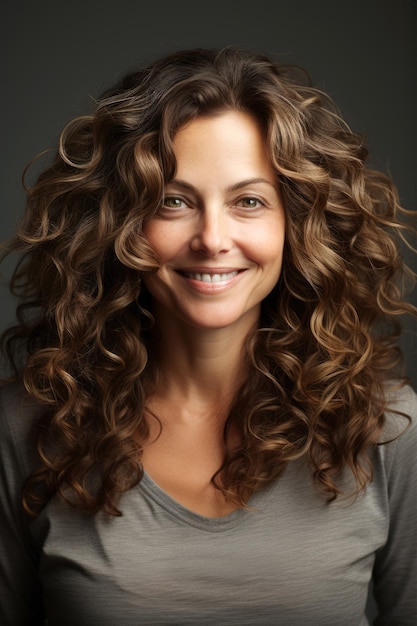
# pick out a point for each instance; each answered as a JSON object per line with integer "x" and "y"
{"x": 211, "y": 321}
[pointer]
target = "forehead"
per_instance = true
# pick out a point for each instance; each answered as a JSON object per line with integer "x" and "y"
{"x": 225, "y": 123}
{"x": 227, "y": 140}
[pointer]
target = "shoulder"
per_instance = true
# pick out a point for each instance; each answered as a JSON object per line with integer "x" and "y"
{"x": 402, "y": 400}
{"x": 401, "y": 414}
{"x": 17, "y": 409}
{"x": 19, "y": 415}
{"x": 397, "y": 449}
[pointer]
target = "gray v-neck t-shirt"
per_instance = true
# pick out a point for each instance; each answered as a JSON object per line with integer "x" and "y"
{"x": 291, "y": 559}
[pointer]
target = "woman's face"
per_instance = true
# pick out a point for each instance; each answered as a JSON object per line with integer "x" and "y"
{"x": 219, "y": 234}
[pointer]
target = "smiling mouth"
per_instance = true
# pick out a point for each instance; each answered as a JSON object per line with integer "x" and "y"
{"x": 211, "y": 278}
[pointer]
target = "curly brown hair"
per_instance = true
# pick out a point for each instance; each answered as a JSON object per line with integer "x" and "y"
{"x": 326, "y": 346}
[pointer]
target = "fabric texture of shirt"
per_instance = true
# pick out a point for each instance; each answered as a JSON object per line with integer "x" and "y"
{"x": 292, "y": 559}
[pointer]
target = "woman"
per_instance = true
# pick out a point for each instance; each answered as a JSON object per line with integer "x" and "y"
{"x": 208, "y": 417}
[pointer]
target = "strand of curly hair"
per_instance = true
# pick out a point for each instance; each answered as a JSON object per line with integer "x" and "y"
{"x": 326, "y": 347}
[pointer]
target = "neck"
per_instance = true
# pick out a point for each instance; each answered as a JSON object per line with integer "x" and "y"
{"x": 205, "y": 366}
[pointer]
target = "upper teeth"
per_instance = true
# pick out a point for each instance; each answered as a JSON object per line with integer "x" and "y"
{"x": 211, "y": 278}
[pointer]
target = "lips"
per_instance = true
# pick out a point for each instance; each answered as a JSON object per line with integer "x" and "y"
{"x": 214, "y": 277}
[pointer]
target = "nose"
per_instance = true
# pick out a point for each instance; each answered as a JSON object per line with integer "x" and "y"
{"x": 213, "y": 233}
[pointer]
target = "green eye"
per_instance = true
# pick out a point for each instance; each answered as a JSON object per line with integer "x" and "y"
{"x": 172, "y": 202}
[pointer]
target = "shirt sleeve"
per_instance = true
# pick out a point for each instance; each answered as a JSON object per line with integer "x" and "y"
{"x": 395, "y": 571}
{"x": 20, "y": 590}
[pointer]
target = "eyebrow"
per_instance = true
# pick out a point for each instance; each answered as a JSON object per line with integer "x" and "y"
{"x": 234, "y": 187}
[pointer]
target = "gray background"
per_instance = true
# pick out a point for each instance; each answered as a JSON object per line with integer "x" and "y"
{"x": 56, "y": 56}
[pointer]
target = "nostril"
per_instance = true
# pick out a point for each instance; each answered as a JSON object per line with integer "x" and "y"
{"x": 212, "y": 239}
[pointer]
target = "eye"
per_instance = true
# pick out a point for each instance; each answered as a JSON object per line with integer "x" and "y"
{"x": 250, "y": 202}
{"x": 174, "y": 202}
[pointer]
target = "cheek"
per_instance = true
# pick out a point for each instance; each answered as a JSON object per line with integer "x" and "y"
{"x": 269, "y": 246}
{"x": 160, "y": 237}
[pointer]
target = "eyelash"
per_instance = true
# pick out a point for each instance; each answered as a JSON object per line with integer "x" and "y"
{"x": 259, "y": 202}
{"x": 186, "y": 204}
{"x": 164, "y": 203}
